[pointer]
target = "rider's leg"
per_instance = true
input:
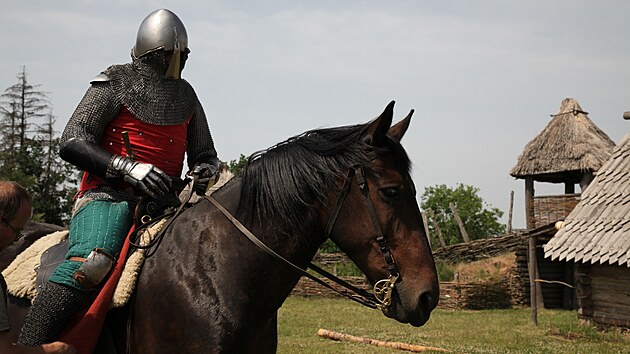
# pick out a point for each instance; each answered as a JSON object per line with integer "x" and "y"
{"x": 97, "y": 224}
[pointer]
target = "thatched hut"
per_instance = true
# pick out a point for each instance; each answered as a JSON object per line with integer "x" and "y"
{"x": 569, "y": 150}
{"x": 596, "y": 236}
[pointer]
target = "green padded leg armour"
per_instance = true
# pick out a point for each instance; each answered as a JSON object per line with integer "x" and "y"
{"x": 98, "y": 224}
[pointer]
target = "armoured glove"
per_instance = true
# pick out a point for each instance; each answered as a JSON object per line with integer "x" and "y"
{"x": 143, "y": 176}
{"x": 206, "y": 175}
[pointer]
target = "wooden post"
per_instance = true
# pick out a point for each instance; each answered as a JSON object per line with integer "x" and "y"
{"x": 426, "y": 226}
{"x": 510, "y": 212}
{"x": 531, "y": 265}
{"x": 437, "y": 228}
{"x": 540, "y": 301}
{"x": 462, "y": 229}
{"x": 569, "y": 188}
{"x": 529, "y": 202}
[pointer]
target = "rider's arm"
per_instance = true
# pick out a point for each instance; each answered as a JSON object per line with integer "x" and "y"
{"x": 84, "y": 131}
{"x": 200, "y": 144}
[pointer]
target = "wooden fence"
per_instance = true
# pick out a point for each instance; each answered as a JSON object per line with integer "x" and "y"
{"x": 477, "y": 296}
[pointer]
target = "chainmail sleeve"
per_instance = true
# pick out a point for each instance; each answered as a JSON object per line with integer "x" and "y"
{"x": 200, "y": 143}
{"x": 97, "y": 108}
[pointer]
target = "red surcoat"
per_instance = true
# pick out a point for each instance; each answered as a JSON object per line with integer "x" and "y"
{"x": 163, "y": 146}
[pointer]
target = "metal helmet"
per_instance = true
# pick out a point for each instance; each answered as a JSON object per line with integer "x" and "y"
{"x": 162, "y": 29}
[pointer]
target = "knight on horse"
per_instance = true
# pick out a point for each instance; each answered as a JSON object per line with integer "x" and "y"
{"x": 129, "y": 133}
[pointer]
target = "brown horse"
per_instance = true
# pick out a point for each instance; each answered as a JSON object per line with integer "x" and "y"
{"x": 209, "y": 289}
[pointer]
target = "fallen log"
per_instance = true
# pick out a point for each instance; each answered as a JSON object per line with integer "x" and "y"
{"x": 379, "y": 343}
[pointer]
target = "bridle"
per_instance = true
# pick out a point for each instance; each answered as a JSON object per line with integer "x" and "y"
{"x": 383, "y": 289}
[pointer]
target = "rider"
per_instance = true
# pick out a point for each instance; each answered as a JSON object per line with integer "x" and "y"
{"x": 129, "y": 134}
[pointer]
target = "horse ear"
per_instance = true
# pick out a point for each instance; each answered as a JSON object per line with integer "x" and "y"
{"x": 398, "y": 130}
{"x": 379, "y": 126}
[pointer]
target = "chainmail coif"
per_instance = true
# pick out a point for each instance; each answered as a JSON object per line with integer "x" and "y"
{"x": 149, "y": 96}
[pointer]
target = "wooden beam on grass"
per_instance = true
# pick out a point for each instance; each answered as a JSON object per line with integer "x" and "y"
{"x": 379, "y": 343}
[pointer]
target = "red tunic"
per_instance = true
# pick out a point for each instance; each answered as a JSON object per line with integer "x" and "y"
{"x": 163, "y": 146}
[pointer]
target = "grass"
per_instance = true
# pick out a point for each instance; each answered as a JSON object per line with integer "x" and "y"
{"x": 460, "y": 331}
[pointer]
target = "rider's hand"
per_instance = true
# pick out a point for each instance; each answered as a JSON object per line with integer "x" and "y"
{"x": 207, "y": 175}
{"x": 143, "y": 176}
{"x": 58, "y": 348}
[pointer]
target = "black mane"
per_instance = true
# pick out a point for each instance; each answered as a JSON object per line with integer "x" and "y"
{"x": 287, "y": 179}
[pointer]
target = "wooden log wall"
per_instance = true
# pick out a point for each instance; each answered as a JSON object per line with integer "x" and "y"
{"x": 555, "y": 295}
{"x": 604, "y": 294}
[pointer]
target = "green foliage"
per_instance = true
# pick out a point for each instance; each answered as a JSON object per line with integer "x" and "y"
{"x": 236, "y": 166}
{"x": 329, "y": 247}
{"x": 480, "y": 220}
{"x": 29, "y": 153}
{"x": 446, "y": 272}
{"x": 348, "y": 269}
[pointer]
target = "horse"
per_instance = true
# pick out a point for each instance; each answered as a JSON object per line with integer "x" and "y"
{"x": 208, "y": 288}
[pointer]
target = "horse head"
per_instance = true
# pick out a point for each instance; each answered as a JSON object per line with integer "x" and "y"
{"x": 377, "y": 222}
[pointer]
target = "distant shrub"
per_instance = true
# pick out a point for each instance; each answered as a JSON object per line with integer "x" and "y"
{"x": 446, "y": 272}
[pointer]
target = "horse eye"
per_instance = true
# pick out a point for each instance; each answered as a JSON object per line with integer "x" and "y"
{"x": 390, "y": 193}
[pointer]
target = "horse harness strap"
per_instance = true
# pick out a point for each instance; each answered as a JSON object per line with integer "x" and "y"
{"x": 342, "y": 196}
{"x": 364, "y": 298}
{"x": 380, "y": 238}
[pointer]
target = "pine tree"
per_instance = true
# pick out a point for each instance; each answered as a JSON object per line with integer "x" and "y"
{"x": 29, "y": 153}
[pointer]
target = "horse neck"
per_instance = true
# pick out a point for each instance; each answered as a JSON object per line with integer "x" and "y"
{"x": 298, "y": 247}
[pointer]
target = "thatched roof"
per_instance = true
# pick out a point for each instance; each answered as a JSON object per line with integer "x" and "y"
{"x": 597, "y": 231}
{"x": 570, "y": 145}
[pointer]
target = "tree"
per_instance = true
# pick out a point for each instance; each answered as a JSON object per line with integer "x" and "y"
{"x": 479, "y": 219}
{"x": 236, "y": 166}
{"x": 29, "y": 151}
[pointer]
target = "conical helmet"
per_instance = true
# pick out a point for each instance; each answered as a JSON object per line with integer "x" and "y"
{"x": 162, "y": 29}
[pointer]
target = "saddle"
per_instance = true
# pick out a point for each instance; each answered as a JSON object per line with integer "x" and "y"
{"x": 32, "y": 268}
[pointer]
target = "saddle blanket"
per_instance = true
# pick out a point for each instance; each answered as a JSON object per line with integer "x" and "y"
{"x": 21, "y": 274}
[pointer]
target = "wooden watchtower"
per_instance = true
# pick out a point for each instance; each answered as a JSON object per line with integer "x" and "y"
{"x": 568, "y": 151}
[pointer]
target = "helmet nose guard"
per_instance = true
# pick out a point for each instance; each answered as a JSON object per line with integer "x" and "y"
{"x": 162, "y": 29}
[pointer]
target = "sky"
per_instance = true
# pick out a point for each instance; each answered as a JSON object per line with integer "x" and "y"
{"x": 483, "y": 76}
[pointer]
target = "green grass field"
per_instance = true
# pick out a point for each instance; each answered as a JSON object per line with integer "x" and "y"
{"x": 460, "y": 331}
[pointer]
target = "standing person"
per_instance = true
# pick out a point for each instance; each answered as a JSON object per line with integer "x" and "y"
{"x": 15, "y": 210}
{"x": 129, "y": 134}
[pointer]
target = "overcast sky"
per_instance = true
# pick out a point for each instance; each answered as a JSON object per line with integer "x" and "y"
{"x": 483, "y": 76}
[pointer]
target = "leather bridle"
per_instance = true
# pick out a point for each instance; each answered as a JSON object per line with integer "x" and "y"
{"x": 383, "y": 289}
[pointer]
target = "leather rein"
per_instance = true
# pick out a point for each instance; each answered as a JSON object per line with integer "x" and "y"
{"x": 383, "y": 289}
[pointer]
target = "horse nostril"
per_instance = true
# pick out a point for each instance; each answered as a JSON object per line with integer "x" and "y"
{"x": 428, "y": 301}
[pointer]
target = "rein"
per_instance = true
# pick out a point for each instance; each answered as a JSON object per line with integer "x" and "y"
{"x": 153, "y": 245}
{"x": 383, "y": 289}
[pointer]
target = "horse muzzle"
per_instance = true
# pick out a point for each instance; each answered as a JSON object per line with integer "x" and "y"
{"x": 413, "y": 309}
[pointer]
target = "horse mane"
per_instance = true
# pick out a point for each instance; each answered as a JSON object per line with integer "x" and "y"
{"x": 286, "y": 180}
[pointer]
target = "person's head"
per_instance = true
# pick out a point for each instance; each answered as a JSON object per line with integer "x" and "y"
{"x": 15, "y": 211}
{"x": 163, "y": 33}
